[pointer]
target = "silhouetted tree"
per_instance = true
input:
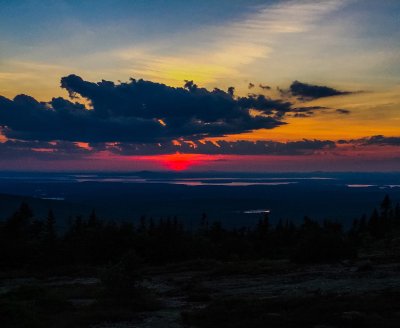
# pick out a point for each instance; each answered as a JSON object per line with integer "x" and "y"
{"x": 93, "y": 222}
{"x": 397, "y": 214}
{"x": 50, "y": 227}
{"x": 374, "y": 226}
{"x": 17, "y": 226}
{"x": 363, "y": 226}
{"x": 386, "y": 206}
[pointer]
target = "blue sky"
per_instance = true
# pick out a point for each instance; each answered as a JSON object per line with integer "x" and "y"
{"x": 117, "y": 39}
{"x": 347, "y": 45}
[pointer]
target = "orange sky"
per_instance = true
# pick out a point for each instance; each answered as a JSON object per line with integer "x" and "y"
{"x": 337, "y": 43}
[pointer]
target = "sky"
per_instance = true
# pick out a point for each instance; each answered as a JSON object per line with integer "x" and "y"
{"x": 200, "y": 85}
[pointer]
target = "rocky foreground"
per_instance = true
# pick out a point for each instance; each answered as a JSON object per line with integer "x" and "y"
{"x": 362, "y": 293}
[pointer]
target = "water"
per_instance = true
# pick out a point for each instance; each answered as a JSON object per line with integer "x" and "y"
{"x": 235, "y": 199}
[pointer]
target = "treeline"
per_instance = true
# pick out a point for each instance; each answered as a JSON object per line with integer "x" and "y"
{"x": 29, "y": 242}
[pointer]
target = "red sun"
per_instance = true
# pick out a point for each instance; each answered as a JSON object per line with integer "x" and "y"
{"x": 179, "y": 162}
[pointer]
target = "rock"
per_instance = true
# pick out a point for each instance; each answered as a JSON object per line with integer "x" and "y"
{"x": 364, "y": 266}
{"x": 353, "y": 317}
{"x": 346, "y": 263}
{"x": 273, "y": 315}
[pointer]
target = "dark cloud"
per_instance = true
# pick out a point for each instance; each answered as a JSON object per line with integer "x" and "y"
{"x": 266, "y": 105}
{"x": 231, "y": 91}
{"x": 264, "y": 87}
{"x": 304, "y": 115}
{"x": 381, "y": 140}
{"x": 343, "y": 111}
{"x": 136, "y": 111}
{"x": 305, "y": 91}
{"x": 64, "y": 150}
{"x": 26, "y": 119}
{"x": 373, "y": 140}
{"x": 143, "y": 112}
{"x": 309, "y": 111}
{"x": 190, "y": 85}
{"x": 61, "y": 150}
{"x": 240, "y": 147}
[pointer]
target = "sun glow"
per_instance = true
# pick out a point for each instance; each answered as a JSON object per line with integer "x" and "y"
{"x": 182, "y": 162}
{"x": 178, "y": 162}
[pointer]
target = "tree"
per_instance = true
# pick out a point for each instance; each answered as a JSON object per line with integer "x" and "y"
{"x": 93, "y": 222}
{"x": 397, "y": 214}
{"x": 50, "y": 227}
{"x": 386, "y": 207}
{"x": 263, "y": 226}
{"x": 374, "y": 226}
{"x": 363, "y": 224}
{"x": 204, "y": 222}
{"x": 19, "y": 223}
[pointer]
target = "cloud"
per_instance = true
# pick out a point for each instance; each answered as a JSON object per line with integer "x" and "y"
{"x": 305, "y": 91}
{"x": 217, "y": 52}
{"x": 25, "y": 118}
{"x": 142, "y": 111}
{"x": 61, "y": 150}
{"x": 137, "y": 111}
{"x": 378, "y": 140}
{"x": 264, "y": 86}
{"x": 309, "y": 111}
{"x": 65, "y": 150}
{"x": 381, "y": 140}
{"x": 343, "y": 111}
{"x": 221, "y": 147}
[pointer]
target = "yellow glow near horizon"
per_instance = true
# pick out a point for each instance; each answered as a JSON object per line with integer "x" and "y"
{"x": 371, "y": 113}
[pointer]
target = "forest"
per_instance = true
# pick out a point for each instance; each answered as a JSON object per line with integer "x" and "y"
{"x": 30, "y": 242}
{"x": 121, "y": 255}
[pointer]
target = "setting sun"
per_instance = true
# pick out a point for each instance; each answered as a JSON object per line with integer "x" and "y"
{"x": 182, "y": 162}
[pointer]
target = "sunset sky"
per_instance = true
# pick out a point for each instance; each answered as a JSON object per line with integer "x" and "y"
{"x": 225, "y": 85}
